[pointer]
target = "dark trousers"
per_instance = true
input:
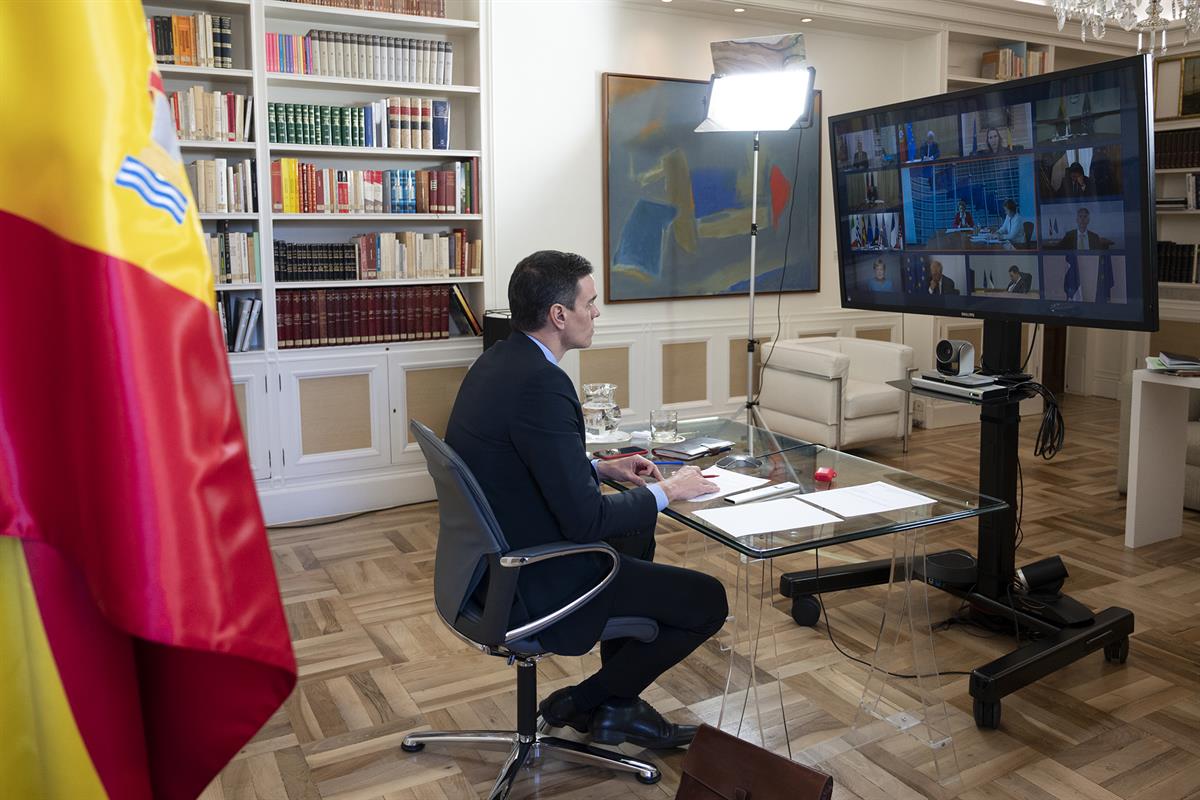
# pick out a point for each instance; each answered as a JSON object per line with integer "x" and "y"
{"x": 688, "y": 606}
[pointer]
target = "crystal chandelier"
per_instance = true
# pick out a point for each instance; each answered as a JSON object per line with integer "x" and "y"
{"x": 1149, "y": 18}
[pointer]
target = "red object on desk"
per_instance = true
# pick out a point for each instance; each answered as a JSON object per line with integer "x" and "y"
{"x": 825, "y": 474}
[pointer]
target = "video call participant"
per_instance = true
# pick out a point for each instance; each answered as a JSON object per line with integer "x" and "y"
{"x": 930, "y": 151}
{"x": 518, "y": 425}
{"x": 939, "y": 283}
{"x": 962, "y": 217}
{"x": 1018, "y": 282}
{"x": 1077, "y": 184}
{"x": 992, "y": 144}
{"x": 1081, "y": 238}
{"x": 1012, "y": 229}
{"x": 861, "y": 160}
{"x": 880, "y": 282}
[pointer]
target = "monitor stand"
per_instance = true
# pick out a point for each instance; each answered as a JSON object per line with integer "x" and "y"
{"x": 1063, "y": 630}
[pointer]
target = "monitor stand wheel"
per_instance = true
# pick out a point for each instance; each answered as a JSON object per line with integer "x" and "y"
{"x": 806, "y": 610}
{"x": 987, "y": 714}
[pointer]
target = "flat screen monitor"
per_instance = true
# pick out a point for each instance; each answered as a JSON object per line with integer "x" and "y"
{"x": 1030, "y": 200}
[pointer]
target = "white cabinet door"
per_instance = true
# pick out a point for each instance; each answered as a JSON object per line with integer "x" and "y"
{"x": 424, "y": 385}
{"x": 250, "y": 393}
{"x": 335, "y": 413}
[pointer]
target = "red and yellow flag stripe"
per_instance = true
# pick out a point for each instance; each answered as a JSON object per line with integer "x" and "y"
{"x": 143, "y": 640}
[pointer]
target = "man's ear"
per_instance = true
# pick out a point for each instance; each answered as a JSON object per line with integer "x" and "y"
{"x": 558, "y": 316}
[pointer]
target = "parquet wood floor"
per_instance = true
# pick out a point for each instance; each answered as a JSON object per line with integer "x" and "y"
{"x": 376, "y": 662}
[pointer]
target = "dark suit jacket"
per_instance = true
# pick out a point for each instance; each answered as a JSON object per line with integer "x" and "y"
{"x": 1022, "y": 284}
{"x": 930, "y": 151}
{"x": 947, "y": 285}
{"x": 1095, "y": 241}
{"x": 518, "y": 425}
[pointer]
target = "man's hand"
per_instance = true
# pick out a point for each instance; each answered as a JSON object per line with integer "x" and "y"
{"x": 686, "y": 484}
{"x": 632, "y": 469}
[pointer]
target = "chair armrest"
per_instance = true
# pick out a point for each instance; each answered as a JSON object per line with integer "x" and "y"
{"x": 809, "y": 360}
{"x": 532, "y": 555}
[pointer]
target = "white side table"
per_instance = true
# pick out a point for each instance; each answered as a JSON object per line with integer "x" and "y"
{"x": 1157, "y": 452}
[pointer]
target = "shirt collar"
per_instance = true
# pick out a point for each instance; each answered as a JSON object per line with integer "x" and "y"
{"x": 545, "y": 350}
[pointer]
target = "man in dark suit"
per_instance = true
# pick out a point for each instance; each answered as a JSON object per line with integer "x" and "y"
{"x": 930, "y": 151}
{"x": 939, "y": 283}
{"x": 1018, "y": 282}
{"x": 518, "y": 425}
{"x": 1081, "y": 238}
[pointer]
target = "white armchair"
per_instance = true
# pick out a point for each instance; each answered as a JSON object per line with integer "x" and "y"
{"x": 832, "y": 390}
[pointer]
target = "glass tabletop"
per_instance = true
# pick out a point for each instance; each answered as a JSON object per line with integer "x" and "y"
{"x": 786, "y": 459}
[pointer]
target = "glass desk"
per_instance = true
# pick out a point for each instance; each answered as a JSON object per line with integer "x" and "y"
{"x": 904, "y": 644}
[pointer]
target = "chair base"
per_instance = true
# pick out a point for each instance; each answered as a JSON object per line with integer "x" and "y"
{"x": 523, "y": 749}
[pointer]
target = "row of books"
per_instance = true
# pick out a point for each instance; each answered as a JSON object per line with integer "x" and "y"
{"x": 363, "y": 315}
{"x": 224, "y": 188}
{"x": 239, "y": 321}
{"x": 361, "y": 55}
{"x": 298, "y": 187}
{"x": 381, "y": 256}
{"x": 1177, "y": 149}
{"x": 233, "y": 256}
{"x": 418, "y": 123}
{"x": 420, "y": 8}
{"x": 1007, "y": 63}
{"x": 198, "y": 40}
{"x": 201, "y": 115}
{"x": 1177, "y": 263}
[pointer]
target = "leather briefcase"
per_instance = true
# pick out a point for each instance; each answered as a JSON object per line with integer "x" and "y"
{"x": 723, "y": 767}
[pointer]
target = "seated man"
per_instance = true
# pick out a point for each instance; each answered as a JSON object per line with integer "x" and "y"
{"x": 1019, "y": 282}
{"x": 518, "y": 425}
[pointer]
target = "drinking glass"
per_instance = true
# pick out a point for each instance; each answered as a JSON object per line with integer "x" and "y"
{"x": 664, "y": 425}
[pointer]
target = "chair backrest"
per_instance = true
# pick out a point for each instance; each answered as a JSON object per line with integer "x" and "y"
{"x": 470, "y": 543}
{"x": 1028, "y": 226}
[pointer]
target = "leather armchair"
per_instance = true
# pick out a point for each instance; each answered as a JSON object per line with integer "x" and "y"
{"x": 832, "y": 390}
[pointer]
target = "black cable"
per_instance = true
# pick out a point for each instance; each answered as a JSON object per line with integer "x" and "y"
{"x": 1032, "y": 344}
{"x": 762, "y": 369}
{"x": 829, "y": 632}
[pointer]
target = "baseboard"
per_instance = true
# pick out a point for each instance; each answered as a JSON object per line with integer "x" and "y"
{"x": 315, "y": 499}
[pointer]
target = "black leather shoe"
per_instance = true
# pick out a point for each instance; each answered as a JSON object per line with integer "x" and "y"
{"x": 638, "y": 723}
{"x": 559, "y": 711}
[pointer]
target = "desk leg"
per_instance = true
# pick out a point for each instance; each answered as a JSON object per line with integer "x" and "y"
{"x": 750, "y": 609}
{"x": 1157, "y": 454}
{"x": 905, "y": 646}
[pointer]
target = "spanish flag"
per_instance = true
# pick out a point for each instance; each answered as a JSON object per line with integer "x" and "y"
{"x": 142, "y": 638}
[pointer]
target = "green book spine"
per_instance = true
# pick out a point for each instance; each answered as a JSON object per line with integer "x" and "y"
{"x": 346, "y": 140}
{"x": 326, "y": 133}
{"x": 335, "y": 114}
{"x": 360, "y": 129}
{"x": 308, "y": 125}
{"x": 271, "y": 122}
{"x": 290, "y": 124}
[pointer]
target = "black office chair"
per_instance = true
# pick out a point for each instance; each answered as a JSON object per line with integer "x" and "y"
{"x": 471, "y": 549}
{"x": 1029, "y": 243}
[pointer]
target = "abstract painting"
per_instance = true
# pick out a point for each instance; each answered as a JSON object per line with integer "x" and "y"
{"x": 677, "y": 203}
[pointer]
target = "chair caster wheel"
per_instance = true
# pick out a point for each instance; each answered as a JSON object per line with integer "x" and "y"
{"x": 656, "y": 776}
{"x": 806, "y": 610}
{"x": 987, "y": 715}
{"x": 415, "y": 747}
{"x": 1117, "y": 652}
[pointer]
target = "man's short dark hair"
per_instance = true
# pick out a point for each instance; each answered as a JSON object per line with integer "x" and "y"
{"x": 1013, "y": 268}
{"x": 541, "y": 280}
{"x": 1076, "y": 167}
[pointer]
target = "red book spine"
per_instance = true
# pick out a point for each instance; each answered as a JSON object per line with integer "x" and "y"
{"x": 409, "y": 315}
{"x": 322, "y": 318}
{"x": 426, "y": 312}
{"x": 276, "y": 187}
{"x": 393, "y": 314}
{"x": 443, "y": 307}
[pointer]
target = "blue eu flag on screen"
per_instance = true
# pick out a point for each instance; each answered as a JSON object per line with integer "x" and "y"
{"x": 1071, "y": 279}
{"x": 1104, "y": 280}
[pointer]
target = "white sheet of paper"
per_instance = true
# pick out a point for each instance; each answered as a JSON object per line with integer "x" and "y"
{"x": 765, "y": 516}
{"x": 729, "y": 482}
{"x": 870, "y": 498}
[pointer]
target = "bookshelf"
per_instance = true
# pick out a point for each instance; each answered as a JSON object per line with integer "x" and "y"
{"x": 327, "y": 425}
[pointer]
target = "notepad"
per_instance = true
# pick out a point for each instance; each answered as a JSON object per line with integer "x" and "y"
{"x": 870, "y": 498}
{"x": 765, "y": 517}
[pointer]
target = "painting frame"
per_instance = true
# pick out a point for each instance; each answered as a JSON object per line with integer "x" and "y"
{"x": 810, "y": 278}
{"x": 1171, "y": 99}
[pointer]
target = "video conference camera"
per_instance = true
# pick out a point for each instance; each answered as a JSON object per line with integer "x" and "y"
{"x": 955, "y": 357}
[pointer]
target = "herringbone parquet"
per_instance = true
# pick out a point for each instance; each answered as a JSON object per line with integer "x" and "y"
{"x": 376, "y": 662}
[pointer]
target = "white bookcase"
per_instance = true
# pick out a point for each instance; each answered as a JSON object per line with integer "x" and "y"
{"x": 327, "y": 427}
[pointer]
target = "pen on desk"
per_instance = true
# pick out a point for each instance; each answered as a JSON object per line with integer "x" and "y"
{"x": 668, "y": 463}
